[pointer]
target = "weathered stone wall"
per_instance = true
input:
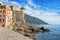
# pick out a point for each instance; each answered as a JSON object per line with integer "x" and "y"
{"x": 20, "y": 16}
{"x": 20, "y": 21}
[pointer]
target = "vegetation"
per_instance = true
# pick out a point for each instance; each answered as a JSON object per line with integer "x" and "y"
{"x": 22, "y": 8}
{"x": 33, "y": 20}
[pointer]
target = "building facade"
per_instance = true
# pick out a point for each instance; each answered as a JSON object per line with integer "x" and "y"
{"x": 5, "y": 15}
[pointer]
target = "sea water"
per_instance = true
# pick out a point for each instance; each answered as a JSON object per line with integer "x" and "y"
{"x": 54, "y": 33}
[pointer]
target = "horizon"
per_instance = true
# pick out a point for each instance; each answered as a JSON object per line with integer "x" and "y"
{"x": 48, "y": 11}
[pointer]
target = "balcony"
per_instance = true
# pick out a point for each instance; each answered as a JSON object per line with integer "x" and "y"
{"x": 2, "y": 12}
{"x": 2, "y": 7}
{"x": 2, "y": 16}
{"x": 2, "y": 20}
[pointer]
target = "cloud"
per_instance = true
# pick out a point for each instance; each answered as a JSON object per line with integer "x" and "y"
{"x": 7, "y": 2}
{"x": 14, "y": 4}
{"x": 49, "y": 17}
{"x": 11, "y": 3}
{"x": 4, "y": 0}
{"x": 30, "y": 3}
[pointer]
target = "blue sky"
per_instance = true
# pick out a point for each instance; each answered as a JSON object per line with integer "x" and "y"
{"x": 47, "y": 10}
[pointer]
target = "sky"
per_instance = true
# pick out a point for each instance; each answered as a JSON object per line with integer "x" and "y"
{"x": 47, "y": 10}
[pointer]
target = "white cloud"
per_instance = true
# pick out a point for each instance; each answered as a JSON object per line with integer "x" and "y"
{"x": 30, "y": 3}
{"x": 49, "y": 17}
{"x": 11, "y": 2}
{"x": 4, "y": 0}
{"x": 14, "y": 4}
{"x": 7, "y": 2}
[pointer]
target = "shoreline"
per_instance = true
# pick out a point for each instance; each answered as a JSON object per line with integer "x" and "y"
{"x": 28, "y": 31}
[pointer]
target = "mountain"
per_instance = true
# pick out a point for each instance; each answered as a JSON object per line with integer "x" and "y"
{"x": 33, "y": 20}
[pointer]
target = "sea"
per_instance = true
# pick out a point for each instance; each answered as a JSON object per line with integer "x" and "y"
{"x": 54, "y": 33}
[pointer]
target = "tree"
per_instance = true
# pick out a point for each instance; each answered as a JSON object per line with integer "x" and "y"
{"x": 22, "y": 8}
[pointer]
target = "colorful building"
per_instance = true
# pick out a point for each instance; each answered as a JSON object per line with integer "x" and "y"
{"x": 5, "y": 15}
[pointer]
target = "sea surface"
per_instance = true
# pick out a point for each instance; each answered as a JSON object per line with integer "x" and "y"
{"x": 54, "y": 33}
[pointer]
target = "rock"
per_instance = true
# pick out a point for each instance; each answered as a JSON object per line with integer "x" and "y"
{"x": 22, "y": 32}
{"x": 36, "y": 29}
{"x": 28, "y": 31}
{"x": 31, "y": 36}
{"x": 46, "y": 30}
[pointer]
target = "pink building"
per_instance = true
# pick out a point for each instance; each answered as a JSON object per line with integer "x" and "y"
{"x": 5, "y": 15}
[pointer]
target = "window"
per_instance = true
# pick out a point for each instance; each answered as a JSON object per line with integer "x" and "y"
{"x": 0, "y": 11}
{"x": 0, "y": 20}
{"x": 0, "y": 15}
{"x": 2, "y": 7}
{"x": 3, "y": 15}
{"x": 0, "y": 3}
{"x": 3, "y": 11}
{"x": 3, "y": 25}
{"x": 3, "y": 20}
